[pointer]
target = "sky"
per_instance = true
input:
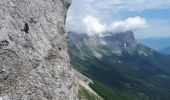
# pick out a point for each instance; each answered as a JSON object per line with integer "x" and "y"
{"x": 146, "y": 18}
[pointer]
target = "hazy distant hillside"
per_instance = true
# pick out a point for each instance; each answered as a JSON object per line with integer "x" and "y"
{"x": 156, "y": 43}
{"x": 121, "y": 68}
{"x": 166, "y": 50}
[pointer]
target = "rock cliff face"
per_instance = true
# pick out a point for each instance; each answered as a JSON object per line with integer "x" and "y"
{"x": 121, "y": 42}
{"x": 117, "y": 43}
{"x": 34, "y": 64}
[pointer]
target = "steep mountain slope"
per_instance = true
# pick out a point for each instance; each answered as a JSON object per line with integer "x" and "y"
{"x": 34, "y": 63}
{"x": 121, "y": 68}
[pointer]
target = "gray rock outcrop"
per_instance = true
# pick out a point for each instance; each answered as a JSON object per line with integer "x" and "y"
{"x": 121, "y": 42}
{"x": 34, "y": 64}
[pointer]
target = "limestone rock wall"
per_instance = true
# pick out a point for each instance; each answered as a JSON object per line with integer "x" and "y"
{"x": 34, "y": 64}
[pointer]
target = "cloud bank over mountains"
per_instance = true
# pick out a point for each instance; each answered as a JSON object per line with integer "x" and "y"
{"x": 93, "y": 26}
{"x": 99, "y": 16}
{"x": 131, "y": 23}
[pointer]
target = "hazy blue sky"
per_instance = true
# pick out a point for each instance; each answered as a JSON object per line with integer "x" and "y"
{"x": 147, "y": 18}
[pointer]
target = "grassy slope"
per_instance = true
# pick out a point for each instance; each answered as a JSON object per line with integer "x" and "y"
{"x": 136, "y": 78}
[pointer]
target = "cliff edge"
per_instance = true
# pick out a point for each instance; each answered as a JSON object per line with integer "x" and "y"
{"x": 34, "y": 63}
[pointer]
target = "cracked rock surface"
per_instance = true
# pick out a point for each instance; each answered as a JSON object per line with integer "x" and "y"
{"x": 34, "y": 64}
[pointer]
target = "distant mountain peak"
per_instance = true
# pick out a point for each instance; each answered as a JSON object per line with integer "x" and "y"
{"x": 122, "y": 67}
{"x": 121, "y": 42}
{"x": 118, "y": 43}
{"x": 127, "y": 36}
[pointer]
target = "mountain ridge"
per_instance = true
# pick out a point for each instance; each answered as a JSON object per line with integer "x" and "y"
{"x": 120, "y": 76}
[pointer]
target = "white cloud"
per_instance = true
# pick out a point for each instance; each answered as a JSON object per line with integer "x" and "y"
{"x": 109, "y": 7}
{"x": 129, "y": 24}
{"x": 93, "y": 26}
{"x": 135, "y": 5}
{"x": 106, "y": 13}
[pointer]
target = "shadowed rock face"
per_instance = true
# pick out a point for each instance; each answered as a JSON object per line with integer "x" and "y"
{"x": 34, "y": 64}
{"x": 118, "y": 43}
{"x": 122, "y": 42}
